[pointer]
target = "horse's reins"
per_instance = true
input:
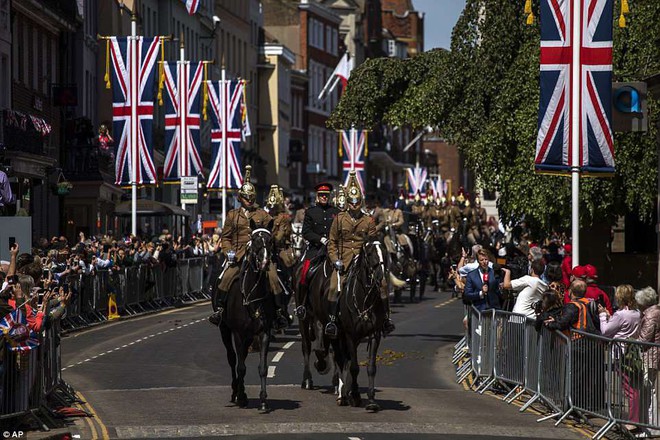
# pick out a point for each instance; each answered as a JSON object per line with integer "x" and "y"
{"x": 364, "y": 313}
{"x": 246, "y": 298}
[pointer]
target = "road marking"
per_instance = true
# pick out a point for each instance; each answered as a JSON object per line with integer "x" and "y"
{"x": 90, "y": 408}
{"x": 145, "y": 338}
{"x": 354, "y": 438}
{"x": 288, "y": 345}
{"x": 449, "y": 301}
{"x": 278, "y": 356}
{"x": 271, "y": 371}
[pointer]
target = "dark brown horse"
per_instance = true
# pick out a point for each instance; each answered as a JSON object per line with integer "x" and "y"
{"x": 250, "y": 313}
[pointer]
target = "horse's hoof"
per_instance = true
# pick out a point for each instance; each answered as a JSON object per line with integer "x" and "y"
{"x": 307, "y": 384}
{"x": 342, "y": 401}
{"x": 233, "y": 398}
{"x": 322, "y": 366}
{"x": 373, "y": 407}
{"x": 242, "y": 401}
{"x": 355, "y": 401}
{"x": 264, "y": 408}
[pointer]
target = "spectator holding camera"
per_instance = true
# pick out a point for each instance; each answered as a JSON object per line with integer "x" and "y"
{"x": 530, "y": 288}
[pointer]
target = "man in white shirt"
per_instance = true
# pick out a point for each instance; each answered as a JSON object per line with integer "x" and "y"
{"x": 530, "y": 288}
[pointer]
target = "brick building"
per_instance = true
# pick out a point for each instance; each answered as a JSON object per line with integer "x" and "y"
{"x": 400, "y": 18}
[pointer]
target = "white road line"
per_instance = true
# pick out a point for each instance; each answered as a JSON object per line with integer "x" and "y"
{"x": 94, "y": 357}
{"x": 101, "y": 354}
{"x": 288, "y": 345}
{"x": 124, "y": 346}
{"x": 132, "y": 343}
{"x": 271, "y": 371}
{"x": 354, "y": 438}
{"x": 69, "y": 366}
{"x": 278, "y": 356}
{"x": 86, "y": 360}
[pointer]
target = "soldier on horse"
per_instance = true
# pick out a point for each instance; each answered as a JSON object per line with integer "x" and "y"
{"x": 348, "y": 233}
{"x": 236, "y": 233}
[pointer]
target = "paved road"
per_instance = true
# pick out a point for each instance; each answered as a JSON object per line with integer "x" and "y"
{"x": 166, "y": 375}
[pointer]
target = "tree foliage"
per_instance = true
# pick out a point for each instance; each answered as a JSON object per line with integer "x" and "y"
{"x": 483, "y": 96}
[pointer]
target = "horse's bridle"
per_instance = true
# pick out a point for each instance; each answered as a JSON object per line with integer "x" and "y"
{"x": 252, "y": 264}
{"x": 363, "y": 313}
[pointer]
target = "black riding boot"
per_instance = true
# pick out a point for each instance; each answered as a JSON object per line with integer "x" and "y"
{"x": 331, "y": 329}
{"x": 388, "y": 325}
{"x": 216, "y": 317}
{"x": 281, "y": 322}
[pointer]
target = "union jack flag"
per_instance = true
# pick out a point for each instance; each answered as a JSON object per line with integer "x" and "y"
{"x": 182, "y": 140}
{"x": 133, "y": 60}
{"x": 226, "y": 102}
{"x": 15, "y": 328}
{"x": 417, "y": 179}
{"x": 438, "y": 186}
{"x": 192, "y": 5}
{"x": 354, "y": 156}
{"x": 554, "y": 146}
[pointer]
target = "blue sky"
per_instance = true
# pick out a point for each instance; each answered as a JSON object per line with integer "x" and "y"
{"x": 439, "y": 19}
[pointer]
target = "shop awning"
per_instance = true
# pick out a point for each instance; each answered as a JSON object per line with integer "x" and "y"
{"x": 150, "y": 208}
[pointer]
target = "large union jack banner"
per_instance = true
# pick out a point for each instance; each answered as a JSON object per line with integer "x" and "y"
{"x": 354, "y": 142}
{"x": 226, "y": 104}
{"x": 183, "y": 81}
{"x": 133, "y": 60}
{"x": 554, "y": 146}
{"x": 417, "y": 178}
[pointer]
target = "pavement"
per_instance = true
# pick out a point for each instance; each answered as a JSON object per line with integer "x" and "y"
{"x": 166, "y": 376}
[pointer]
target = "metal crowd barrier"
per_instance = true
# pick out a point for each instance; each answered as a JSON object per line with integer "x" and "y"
{"x": 137, "y": 289}
{"x": 578, "y": 374}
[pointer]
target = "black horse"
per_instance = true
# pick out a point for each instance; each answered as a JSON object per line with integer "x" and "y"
{"x": 250, "y": 312}
{"x": 421, "y": 239}
{"x": 361, "y": 316}
{"x": 313, "y": 293}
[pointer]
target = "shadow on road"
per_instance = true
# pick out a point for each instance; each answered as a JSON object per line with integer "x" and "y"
{"x": 428, "y": 337}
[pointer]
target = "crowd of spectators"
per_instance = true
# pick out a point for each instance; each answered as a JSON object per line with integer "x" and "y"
{"x": 560, "y": 297}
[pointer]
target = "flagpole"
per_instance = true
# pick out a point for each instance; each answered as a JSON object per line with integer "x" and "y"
{"x": 352, "y": 148}
{"x": 223, "y": 158}
{"x": 576, "y": 85}
{"x": 134, "y": 122}
{"x": 182, "y": 113}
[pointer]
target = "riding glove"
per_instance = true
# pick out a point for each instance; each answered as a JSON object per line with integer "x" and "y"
{"x": 324, "y": 241}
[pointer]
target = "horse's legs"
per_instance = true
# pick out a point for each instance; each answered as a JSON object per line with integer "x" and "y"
{"x": 307, "y": 383}
{"x": 263, "y": 369}
{"x": 231, "y": 359}
{"x": 354, "y": 370}
{"x": 371, "y": 371}
{"x": 242, "y": 351}
{"x": 341, "y": 370}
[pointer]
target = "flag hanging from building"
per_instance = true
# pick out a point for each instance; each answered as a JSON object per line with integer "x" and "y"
{"x": 341, "y": 73}
{"x": 192, "y": 5}
{"x": 417, "y": 179}
{"x": 438, "y": 187}
{"x": 353, "y": 142}
{"x": 227, "y": 108}
{"x": 554, "y": 146}
{"x": 183, "y": 81}
{"x": 133, "y": 60}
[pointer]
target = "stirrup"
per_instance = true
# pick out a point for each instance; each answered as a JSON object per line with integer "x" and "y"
{"x": 301, "y": 312}
{"x": 331, "y": 328}
{"x": 216, "y": 317}
{"x": 388, "y": 326}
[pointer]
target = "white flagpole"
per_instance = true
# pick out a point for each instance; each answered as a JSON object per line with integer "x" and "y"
{"x": 223, "y": 159}
{"x": 134, "y": 123}
{"x": 182, "y": 112}
{"x": 576, "y": 84}
{"x": 353, "y": 148}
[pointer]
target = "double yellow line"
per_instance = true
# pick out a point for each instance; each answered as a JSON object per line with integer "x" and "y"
{"x": 93, "y": 422}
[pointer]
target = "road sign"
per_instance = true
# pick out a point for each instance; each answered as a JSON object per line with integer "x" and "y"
{"x": 629, "y": 109}
{"x": 189, "y": 190}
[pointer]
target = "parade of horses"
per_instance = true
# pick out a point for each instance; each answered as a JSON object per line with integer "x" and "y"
{"x": 341, "y": 268}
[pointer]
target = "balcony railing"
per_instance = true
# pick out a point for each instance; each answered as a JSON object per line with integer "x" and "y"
{"x": 87, "y": 162}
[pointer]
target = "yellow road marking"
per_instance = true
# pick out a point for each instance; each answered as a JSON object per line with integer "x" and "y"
{"x": 88, "y": 421}
{"x": 90, "y": 408}
{"x": 442, "y": 304}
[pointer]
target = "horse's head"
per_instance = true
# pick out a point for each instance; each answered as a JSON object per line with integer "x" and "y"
{"x": 260, "y": 246}
{"x": 375, "y": 258}
{"x": 297, "y": 240}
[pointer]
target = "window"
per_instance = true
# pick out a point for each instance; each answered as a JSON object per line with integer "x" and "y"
{"x": 328, "y": 39}
{"x": 335, "y": 41}
{"x": 391, "y": 48}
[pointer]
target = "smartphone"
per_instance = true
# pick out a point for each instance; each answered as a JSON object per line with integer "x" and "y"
{"x": 12, "y": 279}
{"x": 12, "y": 242}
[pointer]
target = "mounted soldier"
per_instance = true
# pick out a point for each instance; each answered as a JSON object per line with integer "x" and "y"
{"x": 349, "y": 231}
{"x": 479, "y": 221}
{"x": 316, "y": 228}
{"x": 394, "y": 236}
{"x": 236, "y": 232}
{"x": 282, "y": 233}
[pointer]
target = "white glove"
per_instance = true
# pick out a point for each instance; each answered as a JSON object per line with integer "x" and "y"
{"x": 339, "y": 264}
{"x": 324, "y": 241}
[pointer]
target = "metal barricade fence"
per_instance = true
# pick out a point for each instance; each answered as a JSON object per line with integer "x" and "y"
{"x": 590, "y": 359}
{"x": 509, "y": 361}
{"x": 22, "y": 383}
{"x": 554, "y": 371}
{"x": 486, "y": 350}
{"x": 196, "y": 276}
{"x": 531, "y": 367}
